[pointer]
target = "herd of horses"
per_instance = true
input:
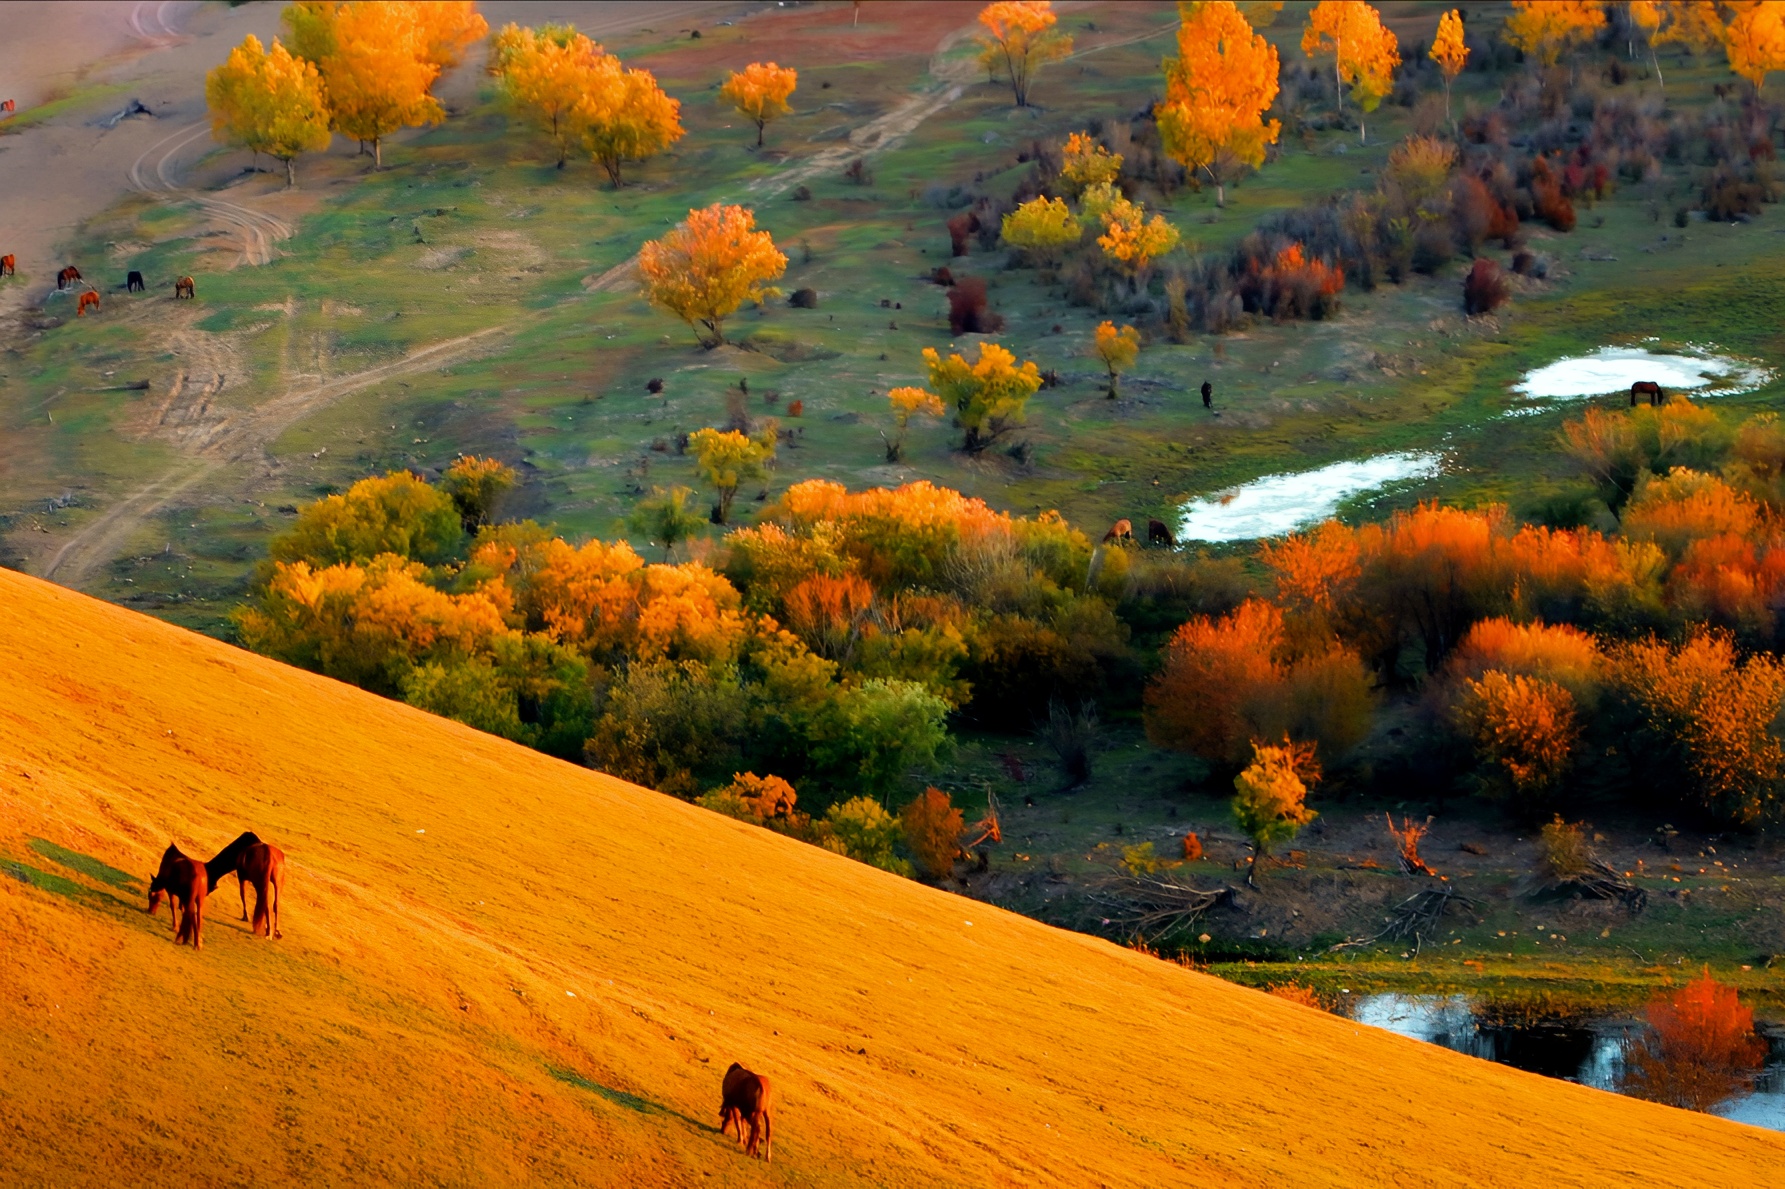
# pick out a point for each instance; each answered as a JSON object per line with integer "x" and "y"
{"x": 186, "y": 882}
{"x": 745, "y": 1097}
{"x": 70, "y": 277}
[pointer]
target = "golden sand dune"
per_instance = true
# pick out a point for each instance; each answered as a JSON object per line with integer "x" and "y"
{"x": 498, "y": 968}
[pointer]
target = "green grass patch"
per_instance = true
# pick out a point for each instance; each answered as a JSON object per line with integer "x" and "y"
{"x": 87, "y": 865}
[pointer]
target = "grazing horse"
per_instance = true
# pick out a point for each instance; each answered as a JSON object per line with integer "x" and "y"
{"x": 182, "y": 881}
{"x": 89, "y": 298}
{"x": 185, "y": 287}
{"x": 67, "y": 277}
{"x": 1119, "y": 532}
{"x": 8, "y": 105}
{"x": 746, "y": 1095}
{"x": 1208, "y": 395}
{"x": 263, "y": 865}
{"x": 8, "y": 266}
{"x": 134, "y": 282}
{"x": 1158, "y": 534}
{"x": 1649, "y": 389}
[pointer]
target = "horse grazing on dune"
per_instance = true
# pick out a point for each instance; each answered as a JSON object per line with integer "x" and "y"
{"x": 184, "y": 882}
{"x": 258, "y": 863}
{"x": 1649, "y": 389}
{"x": 89, "y": 298}
{"x": 185, "y": 287}
{"x": 746, "y": 1096}
{"x": 8, "y": 265}
{"x": 67, "y": 277}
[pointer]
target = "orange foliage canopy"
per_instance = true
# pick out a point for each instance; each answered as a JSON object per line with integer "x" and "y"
{"x": 1216, "y": 93}
{"x": 1701, "y": 1049}
{"x": 1755, "y": 41}
{"x": 760, "y": 91}
{"x": 1546, "y": 29}
{"x": 1022, "y": 37}
{"x": 1365, "y": 51}
{"x": 1523, "y": 727}
{"x": 709, "y": 266}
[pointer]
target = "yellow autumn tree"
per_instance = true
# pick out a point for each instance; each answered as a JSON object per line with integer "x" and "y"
{"x": 625, "y": 116}
{"x": 1021, "y": 37}
{"x": 728, "y": 459}
{"x": 377, "y": 72}
{"x": 1270, "y": 801}
{"x": 268, "y": 101}
{"x": 760, "y": 91}
{"x": 1755, "y": 41}
{"x": 907, "y": 402}
{"x": 989, "y": 395}
{"x": 1133, "y": 240}
{"x": 1365, "y": 52}
{"x": 1117, "y": 349}
{"x": 448, "y": 29}
{"x": 1547, "y": 29}
{"x": 1216, "y": 93}
{"x": 546, "y": 73}
{"x": 709, "y": 266}
{"x": 1084, "y": 162}
{"x": 1450, "y": 53}
{"x": 1042, "y": 226}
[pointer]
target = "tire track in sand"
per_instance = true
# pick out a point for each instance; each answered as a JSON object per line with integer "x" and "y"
{"x": 259, "y": 230}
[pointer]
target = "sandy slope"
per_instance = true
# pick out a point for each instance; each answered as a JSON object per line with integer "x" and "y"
{"x": 545, "y": 985}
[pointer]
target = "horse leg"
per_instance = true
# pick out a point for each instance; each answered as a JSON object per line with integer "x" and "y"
{"x": 768, "y": 1137}
{"x": 277, "y": 883}
{"x": 242, "y": 890}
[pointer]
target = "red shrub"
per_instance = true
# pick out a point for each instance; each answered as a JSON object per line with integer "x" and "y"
{"x": 959, "y": 228}
{"x": 967, "y": 312}
{"x": 1485, "y": 289}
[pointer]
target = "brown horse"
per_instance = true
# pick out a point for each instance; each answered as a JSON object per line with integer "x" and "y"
{"x": 89, "y": 298}
{"x": 263, "y": 865}
{"x": 1122, "y": 531}
{"x": 1649, "y": 389}
{"x": 746, "y": 1095}
{"x": 185, "y": 287}
{"x": 1159, "y": 534}
{"x": 183, "y": 881}
{"x": 8, "y": 266}
{"x": 8, "y": 105}
{"x": 67, "y": 277}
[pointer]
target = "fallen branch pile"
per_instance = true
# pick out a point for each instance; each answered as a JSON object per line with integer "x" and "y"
{"x": 1154, "y": 908}
{"x": 1413, "y": 919}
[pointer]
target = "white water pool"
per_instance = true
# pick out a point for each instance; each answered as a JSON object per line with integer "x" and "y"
{"x": 1278, "y": 504}
{"x": 1612, "y": 370}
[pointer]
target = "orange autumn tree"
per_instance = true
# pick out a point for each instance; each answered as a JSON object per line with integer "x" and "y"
{"x": 1216, "y": 93}
{"x": 378, "y": 74}
{"x": 1022, "y": 37}
{"x": 760, "y": 91}
{"x": 547, "y": 73}
{"x": 1700, "y": 1049}
{"x": 1450, "y": 53}
{"x": 448, "y": 28}
{"x": 1084, "y": 162}
{"x": 1547, "y": 29}
{"x": 1523, "y": 730}
{"x": 1365, "y": 51}
{"x": 268, "y": 101}
{"x": 709, "y": 266}
{"x": 1755, "y": 41}
{"x": 1133, "y": 240}
{"x": 626, "y": 116}
{"x": 1116, "y": 349}
{"x": 907, "y": 402}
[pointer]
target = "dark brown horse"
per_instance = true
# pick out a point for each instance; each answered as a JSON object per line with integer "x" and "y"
{"x": 263, "y": 865}
{"x": 1649, "y": 389}
{"x": 747, "y": 1096}
{"x": 67, "y": 277}
{"x": 183, "y": 882}
{"x": 1159, "y": 534}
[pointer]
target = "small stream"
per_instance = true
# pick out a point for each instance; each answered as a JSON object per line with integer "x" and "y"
{"x": 1584, "y": 1048}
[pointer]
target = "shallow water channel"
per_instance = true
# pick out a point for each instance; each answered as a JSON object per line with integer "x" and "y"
{"x": 1578, "y": 1047}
